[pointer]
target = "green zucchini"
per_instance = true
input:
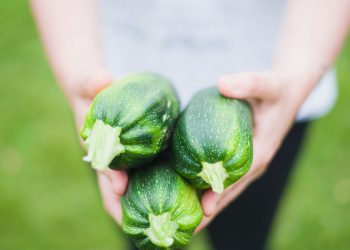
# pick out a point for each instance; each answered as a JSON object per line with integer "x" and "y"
{"x": 160, "y": 209}
{"x": 130, "y": 122}
{"x": 212, "y": 142}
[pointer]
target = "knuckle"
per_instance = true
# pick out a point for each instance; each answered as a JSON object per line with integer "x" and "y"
{"x": 262, "y": 170}
{"x": 258, "y": 173}
{"x": 253, "y": 88}
{"x": 266, "y": 159}
{"x": 258, "y": 78}
{"x": 261, "y": 167}
{"x": 257, "y": 83}
{"x": 264, "y": 162}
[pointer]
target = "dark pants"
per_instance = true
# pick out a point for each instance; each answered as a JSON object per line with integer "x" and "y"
{"x": 245, "y": 224}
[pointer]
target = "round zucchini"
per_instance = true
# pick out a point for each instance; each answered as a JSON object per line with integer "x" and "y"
{"x": 160, "y": 209}
{"x": 212, "y": 142}
{"x": 130, "y": 122}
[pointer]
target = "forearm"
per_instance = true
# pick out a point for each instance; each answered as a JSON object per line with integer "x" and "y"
{"x": 69, "y": 31}
{"x": 311, "y": 37}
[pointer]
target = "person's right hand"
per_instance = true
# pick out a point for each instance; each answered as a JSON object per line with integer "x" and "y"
{"x": 80, "y": 93}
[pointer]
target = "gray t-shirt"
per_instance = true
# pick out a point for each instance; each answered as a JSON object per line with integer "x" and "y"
{"x": 194, "y": 42}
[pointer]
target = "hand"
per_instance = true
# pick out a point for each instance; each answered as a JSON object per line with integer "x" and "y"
{"x": 275, "y": 102}
{"x": 80, "y": 93}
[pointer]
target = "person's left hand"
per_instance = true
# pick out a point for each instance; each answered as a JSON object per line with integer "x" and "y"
{"x": 275, "y": 101}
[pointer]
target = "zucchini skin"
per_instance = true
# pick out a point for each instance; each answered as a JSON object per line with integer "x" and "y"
{"x": 144, "y": 106}
{"x": 157, "y": 189}
{"x": 213, "y": 129}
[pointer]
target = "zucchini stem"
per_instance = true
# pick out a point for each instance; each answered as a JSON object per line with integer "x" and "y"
{"x": 214, "y": 174}
{"x": 103, "y": 144}
{"x": 162, "y": 230}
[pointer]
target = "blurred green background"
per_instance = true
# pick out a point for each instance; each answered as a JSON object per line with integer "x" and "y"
{"x": 49, "y": 199}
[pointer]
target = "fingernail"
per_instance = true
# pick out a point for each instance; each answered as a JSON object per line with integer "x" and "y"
{"x": 116, "y": 186}
{"x": 213, "y": 204}
{"x": 216, "y": 199}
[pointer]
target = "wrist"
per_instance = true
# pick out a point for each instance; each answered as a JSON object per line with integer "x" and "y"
{"x": 298, "y": 84}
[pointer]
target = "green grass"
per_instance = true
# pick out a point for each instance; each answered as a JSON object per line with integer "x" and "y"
{"x": 315, "y": 212}
{"x": 49, "y": 199}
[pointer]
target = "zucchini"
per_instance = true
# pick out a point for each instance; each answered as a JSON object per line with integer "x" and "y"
{"x": 130, "y": 122}
{"x": 160, "y": 209}
{"x": 212, "y": 142}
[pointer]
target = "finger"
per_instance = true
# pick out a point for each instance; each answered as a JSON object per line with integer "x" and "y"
{"x": 265, "y": 143}
{"x": 247, "y": 85}
{"x": 228, "y": 189}
{"x": 261, "y": 159}
{"x": 209, "y": 202}
{"x": 97, "y": 82}
{"x": 220, "y": 201}
{"x": 232, "y": 194}
{"x": 118, "y": 180}
{"x": 205, "y": 221}
{"x": 111, "y": 201}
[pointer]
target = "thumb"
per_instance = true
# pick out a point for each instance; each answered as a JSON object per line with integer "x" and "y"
{"x": 209, "y": 202}
{"x": 247, "y": 85}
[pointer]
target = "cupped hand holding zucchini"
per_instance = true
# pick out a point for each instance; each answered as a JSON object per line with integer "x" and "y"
{"x": 130, "y": 122}
{"x": 212, "y": 143}
{"x": 160, "y": 209}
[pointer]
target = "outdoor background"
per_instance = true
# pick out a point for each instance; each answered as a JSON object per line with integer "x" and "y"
{"x": 48, "y": 196}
